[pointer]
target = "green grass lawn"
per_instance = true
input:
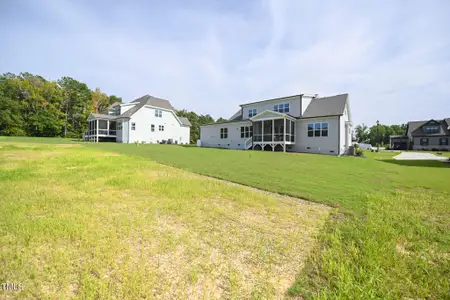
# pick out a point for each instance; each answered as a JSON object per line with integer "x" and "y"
{"x": 387, "y": 238}
{"x": 78, "y": 222}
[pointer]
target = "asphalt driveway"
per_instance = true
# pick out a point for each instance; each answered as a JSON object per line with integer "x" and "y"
{"x": 419, "y": 156}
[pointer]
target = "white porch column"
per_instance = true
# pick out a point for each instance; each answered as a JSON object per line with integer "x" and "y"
{"x": 284, "y": 135}
{"x": 262, "y": 131}
{"x": 107, "y": 127}
{"x": 96, "y": 132}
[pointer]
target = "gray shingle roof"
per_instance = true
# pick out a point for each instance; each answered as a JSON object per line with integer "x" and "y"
{"x": 103, "y": 116}
{"x": 153, "y": 101}
{"x": 415, "y": 128}
{"x": 225, "y": 122}
{"x": 326, "y": 106}
{"x": 237, "y": 116}
{"x": 147, "y": 100}
{"x": 447, "y": 120}
{"x": 184, "y": 121}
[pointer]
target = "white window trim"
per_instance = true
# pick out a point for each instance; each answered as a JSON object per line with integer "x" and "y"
{"x": 321, "y": 129}
{"x": 223, "y": 133}
{"x": 282, "y": 107}
{"x": 248, "y": 132}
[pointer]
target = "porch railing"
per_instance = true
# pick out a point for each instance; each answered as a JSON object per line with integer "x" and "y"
{"x": 277, "y": 137}
{"x": 248, "y": 143}
{"x": 109, "y": 132}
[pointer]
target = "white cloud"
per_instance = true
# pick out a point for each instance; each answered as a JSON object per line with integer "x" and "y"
{"x": 209, "y": 59}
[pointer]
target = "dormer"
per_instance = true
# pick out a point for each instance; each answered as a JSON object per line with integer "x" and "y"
{"x": 293, "y": 106}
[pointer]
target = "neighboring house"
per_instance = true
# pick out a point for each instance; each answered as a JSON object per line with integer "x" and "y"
{"x": 424, "y": 135}
{"x": 147, "y": 119}
{"x": 365, "y": 146}
{"x": 299, "y": 123}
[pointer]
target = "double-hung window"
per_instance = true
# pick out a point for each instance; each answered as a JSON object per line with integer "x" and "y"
{"x": 223, "y": 133}
{"x": 158, "y": 113}
{"x": 133, "y": 126}
{"x": 246, "y": 131}
{"x": 318, "y": 129}
{"x": 424, "y": 141}
{"x": 161, "y": 128}
{"x": 431, "y": 129}
{"x": 153, "y": 127}
{"x": 443, "y": 141}
{"x": 282, "y": 108}
{"x": 251, "y": 112}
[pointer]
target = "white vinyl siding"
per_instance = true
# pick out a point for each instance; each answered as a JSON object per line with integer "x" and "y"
{"x": 293, "y": 102}
{"x": 165, "y": 127}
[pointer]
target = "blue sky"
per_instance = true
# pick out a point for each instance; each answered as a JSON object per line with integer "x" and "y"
{"x": 392, "y": 57}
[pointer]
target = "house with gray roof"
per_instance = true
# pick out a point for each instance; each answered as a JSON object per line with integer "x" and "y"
{"x": 146, "y": 119}
{"x": 424, "y": 135}
{"x": 298, "y": 123}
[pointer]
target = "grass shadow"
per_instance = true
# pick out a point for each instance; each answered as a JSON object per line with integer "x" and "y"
{"x": 418, "y": 163}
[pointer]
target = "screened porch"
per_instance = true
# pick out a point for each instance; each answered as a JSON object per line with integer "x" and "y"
{"x": 100, "y": 128}
{"x": 275, "y": 130}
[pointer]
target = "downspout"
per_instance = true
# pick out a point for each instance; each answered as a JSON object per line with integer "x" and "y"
{"x": 339, "y": 136}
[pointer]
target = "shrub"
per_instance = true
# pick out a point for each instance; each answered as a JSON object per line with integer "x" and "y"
{"x": 359, "y": 152}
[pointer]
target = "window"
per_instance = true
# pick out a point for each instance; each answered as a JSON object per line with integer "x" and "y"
{"x": 318, "y": 129}
{"x": 431, "y": 129}
{"x": 223, "y": 133}
{"x": 282, "y": 108}
{"x": 324, "y": 129}
{"x": 161, "y": 128}
{"x": 119, "y": 125}
{"x": 443, "y": 141}
{"x": 158, "y": 113}
{"x": 153, "y": 128}
{"x": 424, "y": 141}
{"x": 251, "y": 112}
{"x": 311, "y": 130}
{"x": 246, "y": 131}
{"x": 133, "y": 126}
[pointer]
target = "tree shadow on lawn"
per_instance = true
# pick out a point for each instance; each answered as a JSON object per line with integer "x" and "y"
{"x": 418, "y": 163}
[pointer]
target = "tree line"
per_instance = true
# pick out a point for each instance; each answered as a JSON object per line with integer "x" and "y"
{"x": 378, "y": 135}
{"x": 30, "y": 105}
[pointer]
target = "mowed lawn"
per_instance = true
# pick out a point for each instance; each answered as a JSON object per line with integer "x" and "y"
{"x": 388, "y": 235}
{"x": 78, "y": 222}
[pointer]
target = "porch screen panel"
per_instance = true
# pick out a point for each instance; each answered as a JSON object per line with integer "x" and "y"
{"x": 293, "y": 132}
{"x": 102, "y": 124}
{"x": 267, "y": 131}
{"x": 257, "y": 131}
{"x": 279, "y": 130}
{"x": 102, "y": 127}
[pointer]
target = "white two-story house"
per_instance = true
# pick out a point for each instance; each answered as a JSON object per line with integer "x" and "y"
{"x": 147, "y": 119}
{"x": 299, "y": 123}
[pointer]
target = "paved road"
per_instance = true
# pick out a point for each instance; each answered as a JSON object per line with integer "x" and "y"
{"x": 419, "y": 156}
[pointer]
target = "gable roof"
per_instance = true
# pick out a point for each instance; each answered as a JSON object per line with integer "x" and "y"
{"x": 447, "y": 120}
{"x": 415, "y": 128}
{"x": 271, "y": 114}
{"x": 184, "y": 121}
{"x": 274, "y": 99}
{"x": 237, "y": 116}
{"x": 326, "y": 106}
{"x": 147, "y": 100}
{"x": 102, "y": 116}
